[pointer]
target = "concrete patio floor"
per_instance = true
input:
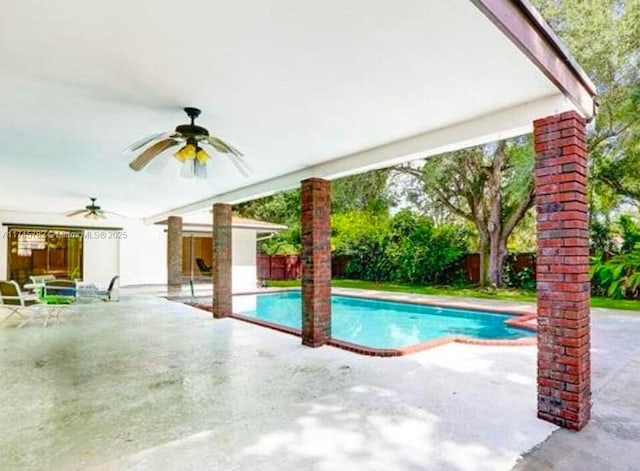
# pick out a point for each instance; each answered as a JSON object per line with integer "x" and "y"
{"x": 145, "y": 383}
{"x": 611, "y": 440}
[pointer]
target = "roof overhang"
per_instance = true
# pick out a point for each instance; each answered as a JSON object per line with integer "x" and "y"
{"x": 526, "y": 28}
{"x": 194, "y": 224}
{"x": 304, "y": 89}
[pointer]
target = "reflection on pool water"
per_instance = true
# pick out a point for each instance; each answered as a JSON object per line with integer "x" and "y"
{"x": 381, "y": 324}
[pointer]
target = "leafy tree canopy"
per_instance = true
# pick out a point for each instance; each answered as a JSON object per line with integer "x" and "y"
{"x": 604, "y": 36}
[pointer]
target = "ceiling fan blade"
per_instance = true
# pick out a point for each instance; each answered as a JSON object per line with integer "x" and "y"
{"x": 143, "y": 142}
{"x": 239, "y": 163}
{"x": 221, "y": 146}
{"x": 157, "y": 166}
{"x": 111, "y": 213}
{"x": 234, "y": 155}
{"x": 143, "y": 159}
{"x": 76, "y": 212}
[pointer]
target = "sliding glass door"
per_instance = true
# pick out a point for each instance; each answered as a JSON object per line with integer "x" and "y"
{"x": 197, "y": 256}
{"x": 44, "y": 251}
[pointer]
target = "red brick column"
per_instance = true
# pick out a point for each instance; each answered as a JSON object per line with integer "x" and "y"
{"x": 174, "y": 253}
{"x": 564, "y": 372}
{"x": 316, "y": 261}
{"x": 221, "y": 260}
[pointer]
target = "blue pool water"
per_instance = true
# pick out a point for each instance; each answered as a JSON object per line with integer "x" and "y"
{"x": 381, "y": 324}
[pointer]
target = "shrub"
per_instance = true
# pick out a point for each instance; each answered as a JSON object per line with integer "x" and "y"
{"x": 283, "y": 243}
{"x": 405, "y": 248}
{"x": 363, "y": 237}
{"x": 618, "y": 277}
{"x": 524, "y": 279}
{"x": 630, "y": 234}
{"x": 421, "y": 252}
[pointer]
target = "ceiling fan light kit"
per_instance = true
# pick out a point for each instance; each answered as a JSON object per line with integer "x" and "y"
{"x": 191, "y": 155}
{"x": 94, "y": 216}
{"x": 188, "y": 152}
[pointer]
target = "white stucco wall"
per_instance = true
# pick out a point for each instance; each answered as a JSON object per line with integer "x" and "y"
{"x": 143, "y": 254}
{"x": 138, "y": 254}
{"x": 245, "y": 273}
{"x": 101, "y": 259}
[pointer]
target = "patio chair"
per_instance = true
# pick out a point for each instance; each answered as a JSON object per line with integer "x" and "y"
{"x": 40, "y": 280}
{"x": 204, "y": 269}
{"x": 12, "y": 298}
{"x": 105, "y": 295}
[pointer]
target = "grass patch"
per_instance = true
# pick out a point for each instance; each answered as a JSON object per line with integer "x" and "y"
{"x": 608, "y": 303}
{"x": 467, "y": 292}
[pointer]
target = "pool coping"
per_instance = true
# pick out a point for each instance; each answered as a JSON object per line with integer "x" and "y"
{"x": 521, "y": 319}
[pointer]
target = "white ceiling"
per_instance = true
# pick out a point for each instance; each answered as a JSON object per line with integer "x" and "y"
{"x": 291, "y": 83}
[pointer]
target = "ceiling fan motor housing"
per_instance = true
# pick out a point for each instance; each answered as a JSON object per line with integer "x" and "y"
{"x": 192, "y": 130}
{"x": 93, "y": 206}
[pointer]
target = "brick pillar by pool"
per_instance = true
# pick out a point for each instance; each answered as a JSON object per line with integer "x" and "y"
{"x": 564, "y": 372}
{"x": 174, "y": 253}
{"x": 221, "y": 260}
{"x": 316, "y": 261}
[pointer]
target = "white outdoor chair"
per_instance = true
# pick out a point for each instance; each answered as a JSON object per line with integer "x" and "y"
{"x": 40, "y": 280}
{"x": 18, "y": 304}
{"x": 108, "y": 294}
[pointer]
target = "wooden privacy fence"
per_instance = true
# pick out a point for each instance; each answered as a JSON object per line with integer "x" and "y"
{"x": 287, "y": 267}
{"x": 279, "y": 267}
{"x": 470, "y": 264}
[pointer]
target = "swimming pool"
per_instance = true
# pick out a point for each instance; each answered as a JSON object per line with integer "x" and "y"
{"x": 382, "y": 324}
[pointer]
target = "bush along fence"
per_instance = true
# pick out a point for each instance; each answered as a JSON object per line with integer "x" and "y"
{"x": 519, "y": 270}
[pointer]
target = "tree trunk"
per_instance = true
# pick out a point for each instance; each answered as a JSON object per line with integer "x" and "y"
{"x": 497, "y": 256}
{"x": 485, "y": 256}
{"x": 494, "y": 224}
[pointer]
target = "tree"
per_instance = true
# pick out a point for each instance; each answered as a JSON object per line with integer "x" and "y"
{"x": 281, "y": 208}
{"x": 366, "y": 192}
{"x": 491, "y": 186}
{"x": 604, "y": 36}
{"x": 363, "y": 192}
{"x": 484, "y": 185}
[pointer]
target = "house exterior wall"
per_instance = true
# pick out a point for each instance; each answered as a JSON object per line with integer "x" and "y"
{"x": 138, "y": 255}
{"x": 244, "y": 271}
{"x": 101, "y": 249}
{"x": 143, "y": 254}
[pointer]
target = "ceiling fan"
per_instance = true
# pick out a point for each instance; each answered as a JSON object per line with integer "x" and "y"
{"x": 192, "y": 154}
{"x": 91, "y": 211}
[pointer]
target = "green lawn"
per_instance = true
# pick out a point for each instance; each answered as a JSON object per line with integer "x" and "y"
{"x": 469, "y": 292}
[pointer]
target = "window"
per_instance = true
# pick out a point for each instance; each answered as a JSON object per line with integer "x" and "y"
{"x": 43, "y": 251}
